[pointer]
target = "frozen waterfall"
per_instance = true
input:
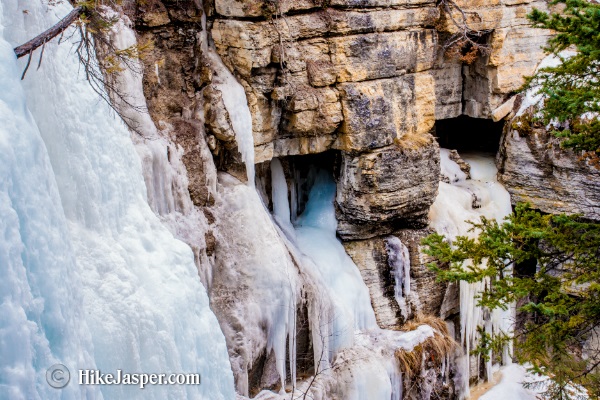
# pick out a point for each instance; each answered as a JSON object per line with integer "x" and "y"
{"x": 92, "y": 279}
{"x": 326, "y": 259}
{"x": 458, "y": 202}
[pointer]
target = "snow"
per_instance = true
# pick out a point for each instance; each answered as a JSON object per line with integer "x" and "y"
{"x": 515, "y": 382}
{"x": 511, "y": 385}
{"x": 450, "y": 169}
{"x": 467, "y": 200}
{"x": 92, "y": 278}
{"x": 532, "y": 97}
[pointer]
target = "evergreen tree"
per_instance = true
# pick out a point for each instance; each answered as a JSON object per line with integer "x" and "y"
{"x": 572, "y": 88}
{"x": 548, "y": 265}
{"x": 555, "y": 282}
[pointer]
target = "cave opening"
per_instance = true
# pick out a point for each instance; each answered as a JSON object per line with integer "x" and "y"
{"x": 303, "y": 170}
{"x": 467, "y": 134}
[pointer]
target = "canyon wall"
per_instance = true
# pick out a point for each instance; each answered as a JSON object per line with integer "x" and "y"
{"x": 362, "y": 80}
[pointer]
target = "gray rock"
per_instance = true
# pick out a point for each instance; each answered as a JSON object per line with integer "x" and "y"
{"x": 536, "y": 170}
{"x": 386, "y": 189}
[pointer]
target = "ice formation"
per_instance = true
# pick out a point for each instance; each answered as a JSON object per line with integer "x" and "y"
{"x": 236, "y": 103}
{"x": 399, "y": 261}
{"x": 254, "y": 272}
{"x": 164, "y": 173}
{"x": 355, "y": 357}
{"x": 316, "y": 237}
{"x": 95, "y": 279}
{"x": 457, "y": 203}
{"x": 324, "y": 259}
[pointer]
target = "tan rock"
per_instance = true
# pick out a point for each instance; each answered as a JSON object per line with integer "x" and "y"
{"x": 302, "y": 145}
{"x": 371, "y": 258}
{"x": 504, "y": 109}
{"x": 313, "y": 111}
{"x": 382, "y": 55}
{"x": 378, "y": 3}
{"x": 378, "y": 112}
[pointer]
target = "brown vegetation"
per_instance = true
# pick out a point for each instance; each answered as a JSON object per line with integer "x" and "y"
{"x": 434, "y": 349}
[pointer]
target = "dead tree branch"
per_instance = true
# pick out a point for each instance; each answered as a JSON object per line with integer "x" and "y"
{"x": 92, "y": 23}
{"x": 465, "y": 42}
{"x": 49, "y": 34}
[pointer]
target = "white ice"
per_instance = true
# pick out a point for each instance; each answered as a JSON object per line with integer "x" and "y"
{"x": 255, "y": 281}
{"x": 234, "y": 98}
{"x": 96, "y": 279}
{"x": 457, "y": 203}
{"x": 399, "y": 261}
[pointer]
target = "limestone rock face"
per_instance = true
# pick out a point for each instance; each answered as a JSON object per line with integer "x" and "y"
{"x": 354, "y": 41}
{"x": 536, "y": 170}
{"x": 381, "y": 111}
{"x": 385, "y": 189}
{"x": 371, "y": 258}
{"x": 362, "y": 76}
{"x": 426, "y": 296}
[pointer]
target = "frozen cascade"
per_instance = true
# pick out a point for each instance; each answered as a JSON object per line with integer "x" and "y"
{"x": 399, "y": 261}
{"x": 467, "y": 200}
{"x": 234, "y": 98}
{"x": 258, "y": 275}
{"x": 127, "y": 278}
{"x": 164, "y": 173}
{"x": 279, "y": 194}
{"x": 347, "y": 330}
{"x": 316, "y": 238}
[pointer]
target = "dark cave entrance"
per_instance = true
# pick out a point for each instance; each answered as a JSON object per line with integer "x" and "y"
{"x": 300, "y": 172}
{"x": 303, "y": 172}
{"x": 466, "y": 134}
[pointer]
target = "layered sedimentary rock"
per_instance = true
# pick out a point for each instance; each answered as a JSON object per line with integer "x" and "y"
{"x": 536, "y": 170}
{"x": 375, "y": 258}
{"x": 387, "y": 188}
{"x": 362, "y": 77}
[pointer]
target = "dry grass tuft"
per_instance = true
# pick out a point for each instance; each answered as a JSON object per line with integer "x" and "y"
{"x": 433, "y": 350}
{"x": 413, "y": 141}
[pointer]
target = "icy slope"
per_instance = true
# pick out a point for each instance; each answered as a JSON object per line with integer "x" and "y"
{"x": 95, "y": 280}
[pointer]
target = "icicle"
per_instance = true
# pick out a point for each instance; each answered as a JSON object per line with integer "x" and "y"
{"x": 399, "y": 262}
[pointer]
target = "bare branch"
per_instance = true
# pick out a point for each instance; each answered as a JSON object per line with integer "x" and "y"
{"x": 42, "y": 38}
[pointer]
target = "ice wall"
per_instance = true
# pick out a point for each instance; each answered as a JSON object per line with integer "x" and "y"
{"x": 354, "y": 359}
{"x": 343, "y": 306}
{"x": 164, "y": 172}
{"x": 255, "y": 285}
{"x": 457, "y": 203}
{"x": 87, "y": 248}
